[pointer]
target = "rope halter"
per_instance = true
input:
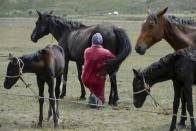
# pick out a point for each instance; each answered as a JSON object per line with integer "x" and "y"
{"x": 21, "y": 66}
{"x": 146, "y": 88}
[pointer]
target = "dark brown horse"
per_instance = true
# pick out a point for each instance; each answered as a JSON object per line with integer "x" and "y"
{"x": 179, "y": 33}
{"x": 47, "y": 64}
{"x": 75, "y": 37}
{"x": 180, "y": 67}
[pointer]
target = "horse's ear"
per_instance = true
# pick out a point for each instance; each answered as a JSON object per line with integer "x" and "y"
{"x": 10, "y": 57}
{"x": 149, "y": 11}
{"x": 39, "y": 13}
{"x": 51, "y": 12}
{"x": 44, "y": 51}
{"x": 136, "y": 73}
{"x": 162, "y": 12}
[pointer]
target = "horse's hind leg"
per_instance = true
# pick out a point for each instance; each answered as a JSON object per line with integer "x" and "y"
{"x": 57, "y": 93}
{"x": 83, "y": 92}
{"x": 52, "y": 100}
{"x": 181, "y": 124}
{"x": 176, "y": 102}
{"x": 63, "y": 93}
{"x": 113, "y": 98}
{"x": 189, "y": 99}
{"x": 40, "y": 84}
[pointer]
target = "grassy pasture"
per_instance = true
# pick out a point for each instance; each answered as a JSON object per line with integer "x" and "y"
{"x": 20, "y": 113}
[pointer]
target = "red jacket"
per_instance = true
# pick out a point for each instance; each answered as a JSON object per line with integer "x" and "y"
{"x": 94, "y": 58}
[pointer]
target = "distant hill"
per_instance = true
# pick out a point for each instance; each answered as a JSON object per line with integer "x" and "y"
{"x": 25, "y": 8}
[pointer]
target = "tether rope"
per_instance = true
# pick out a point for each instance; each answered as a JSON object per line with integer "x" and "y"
{"x": 63, "y": 100}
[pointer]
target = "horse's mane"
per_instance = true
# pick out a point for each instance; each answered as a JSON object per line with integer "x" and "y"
{"x": 34, "y": 57}
{"x": 163, "y": 62}
{"x": 167, "y": 61}
{"x": 174, "y": 19}
{"x": 68, "y": 24}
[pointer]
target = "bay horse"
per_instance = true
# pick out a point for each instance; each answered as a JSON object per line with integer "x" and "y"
{"x": 47, "y": 64}
{"x": 180, "y": 67}
{"x": 179, "y": 33}
{"x": 75, "y": 37}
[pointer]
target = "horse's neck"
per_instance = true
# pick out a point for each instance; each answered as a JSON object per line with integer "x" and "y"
{"x": 153, "y": 76}
{"x": 59, "y": 28}
{"x": 56, "y": 30}
{"x": 31, "y": 65}
{"x": 180, "y": 36}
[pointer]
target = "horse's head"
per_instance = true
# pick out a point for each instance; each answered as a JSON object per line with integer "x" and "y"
{"x": 42, "y": 26}
{"x": 139, "y": 92}
{"x": 152, "y": 31}
{"x": 13, "y": 72}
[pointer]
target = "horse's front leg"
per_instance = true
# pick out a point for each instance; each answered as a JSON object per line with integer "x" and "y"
{"x": 189, "y": 99}
{"x": 63, "y": 93}
{"x": 52, "y": 100}
{"x": 83, "y": 92}
{"x": 40, "y": 84}
{"x": 176, "y": 102}
{"x": 181, "y": 124}
{"x": 113, "y": 98}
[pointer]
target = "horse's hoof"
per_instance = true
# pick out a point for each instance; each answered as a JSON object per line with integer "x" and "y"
{"x": 114, "y": 104}
{"x": 39, "y": 125}
{"x": 62, "y": 96}
{"x": 172, "y": 128}
{"x": 110, "y": 103}
{"x": 181, "y": 125}
{"x": 82, "y": 98}
{"x": 56, "y": 125}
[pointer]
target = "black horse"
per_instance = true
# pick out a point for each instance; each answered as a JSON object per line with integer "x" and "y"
{"x": 47, "y": 64}
{"x": 180, "y": 67}
{"x": 75, "y": 37}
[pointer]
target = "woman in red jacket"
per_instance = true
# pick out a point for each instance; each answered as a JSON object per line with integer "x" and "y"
{"x": 93, "y": 74}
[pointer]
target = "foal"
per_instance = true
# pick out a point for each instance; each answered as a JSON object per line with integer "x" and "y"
{"x": 180, "y": 67}
{"x": 47, "y": 64}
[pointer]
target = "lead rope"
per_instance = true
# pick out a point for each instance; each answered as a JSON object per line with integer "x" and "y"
{"x": 146, "y": 88}
{"x": 154, "y": 100}
{"x": 20, "y": 74}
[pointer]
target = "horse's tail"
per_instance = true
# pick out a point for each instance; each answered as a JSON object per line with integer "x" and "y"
{"x": 124, "y": 48}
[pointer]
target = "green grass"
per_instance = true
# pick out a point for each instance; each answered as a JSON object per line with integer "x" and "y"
{"x": 19, "y": 113}
{"x": 21, "y": 8}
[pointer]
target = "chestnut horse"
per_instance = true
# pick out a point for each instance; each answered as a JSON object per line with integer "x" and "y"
{"x": 179, "y": 33}
{"x": 75, "y": 37}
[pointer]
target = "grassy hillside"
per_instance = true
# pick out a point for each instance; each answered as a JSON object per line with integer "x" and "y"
{"x": 92, "y": 7}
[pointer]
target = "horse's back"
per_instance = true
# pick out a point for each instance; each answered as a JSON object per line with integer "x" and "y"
{"x": 109, "y": 37}
{"x": 80, "y": 39}
{"x": 55, "y": 58}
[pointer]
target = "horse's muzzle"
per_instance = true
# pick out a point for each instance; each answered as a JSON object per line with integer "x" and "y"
{"x": 140, "y": 49}
{"x": 7, "y": 85}
{"x": 138, "y": 104}
{"x": 33, "y": 38}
